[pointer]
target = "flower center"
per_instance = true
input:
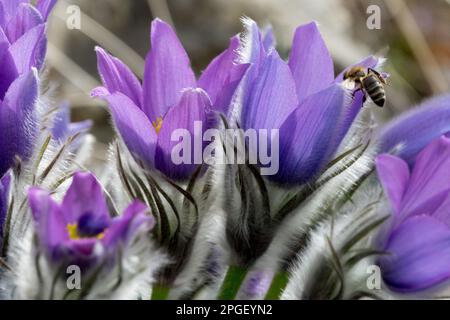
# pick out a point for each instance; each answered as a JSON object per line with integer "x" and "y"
{"x": 87, "y": 226}
{"x": 157, "y": 124}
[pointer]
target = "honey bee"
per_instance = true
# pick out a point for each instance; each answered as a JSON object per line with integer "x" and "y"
{"x": 370, "y": 82}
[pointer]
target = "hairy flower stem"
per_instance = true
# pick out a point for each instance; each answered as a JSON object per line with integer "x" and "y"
{"x": 232, "y": 282}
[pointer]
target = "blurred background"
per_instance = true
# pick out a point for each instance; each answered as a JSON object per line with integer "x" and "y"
{"x": 414, "y": 37}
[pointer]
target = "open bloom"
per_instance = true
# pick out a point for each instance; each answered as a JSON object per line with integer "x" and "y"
{"x": 419, "y": 237}
{"x": 22, "y": 50}
{"x": 301, "y": 97}
{"x": 80, "y": 230}
{"x": 170, "y": 97}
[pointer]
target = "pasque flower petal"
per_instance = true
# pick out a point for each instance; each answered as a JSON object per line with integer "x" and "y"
{"x": 393, "y": 173}
{"x": 409, "y": 133}
{"x": 8, "y": 71}
{"x": 10, "y": 8}
{"x": 84, "y": 196}
{"x": 29, "y": 50}
{"x": 45, "y": 7}
{"x": 49, "y": 221}
{"x": 134, "y": 127}
{"x": 429, "y": 183}
{"x": 310, "y": 61}
{"x": 124, "y": 226}
{"x": 167, "y": 71}
{"x": 222, "y": 76}
{"x": 193, "y": 106}
{"x": 308, "y": 136}
{"x": 26, "y": 18}
{"x": 272, "y": 96}
{"x": 17, "y": 112}
{"x": 419, "y": 254}
{"x": 117, "y": 77}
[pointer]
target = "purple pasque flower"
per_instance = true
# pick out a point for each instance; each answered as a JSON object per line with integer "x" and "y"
{"x": 418, "y": 240}
{"x": 301, "y": 97}
{"x": 170, "y": 97}
{"x": 410, "y": 132}
{"x": 80, "y": 230}
{"x": 22, "y": 51}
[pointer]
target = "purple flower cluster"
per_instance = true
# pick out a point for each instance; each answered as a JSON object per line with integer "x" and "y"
{"x": 22, "y": 51}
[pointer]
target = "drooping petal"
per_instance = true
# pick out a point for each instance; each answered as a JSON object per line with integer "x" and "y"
{"x": 117, "y": 77}
{"x": 182, "y": 119}
{"x": 222, "y": 76}
{"x": 49, "y": 220}
{"x": 84, "y": 196}
{"x": 29, "y": 50}
{"x": 134, "y": 127}
{"x": 310, "y": 61}
{"x": 17, "y": 116}
{"x": 26, "y": 18}
{"x": 308, "y": 136}
{"x": 429, "y": 183}
{"x": 420, "y": 255}
{"x": 45, "y": 7}
{"x": 272, "y": 96}
{"x": 408, "y": 134}
{"x": 393, "y": 173}
{"x": 124, "y": 227}
{"x": 167, "y": 71}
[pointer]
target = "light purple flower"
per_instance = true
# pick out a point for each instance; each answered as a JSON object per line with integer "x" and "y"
{"x": 22, "y": 50}
{"x": 302, "y": 98}
{"x": 415, "y": 129}
{"x": 63, "y": 128}
{"x": 170, "y": 97}
{"x": 419, "y": 236}
{"x": 80, "y": 230}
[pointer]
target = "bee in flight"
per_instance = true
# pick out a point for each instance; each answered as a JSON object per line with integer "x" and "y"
{"x": 370, "y": 82}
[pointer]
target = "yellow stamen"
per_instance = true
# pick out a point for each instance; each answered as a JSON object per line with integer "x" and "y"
{"x": 72, "y": 229}
{"x": 157, "y": 124}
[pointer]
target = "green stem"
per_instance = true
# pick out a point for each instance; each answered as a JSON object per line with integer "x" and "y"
{"x": 279, "y": 282}
{"x": 232, "y": 282}
{"x": 160, "y": 292}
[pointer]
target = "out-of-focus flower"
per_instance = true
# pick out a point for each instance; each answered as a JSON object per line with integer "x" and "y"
{"x": 301, "y": 97}
{"x": 63, "y": 128}
{"x": 22, "y": 51}
{"x": 80, "y": 230}
{"x": 418, "y": 241}
{"x": 170, "y": 97}
{"x": 407, "y": 135}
